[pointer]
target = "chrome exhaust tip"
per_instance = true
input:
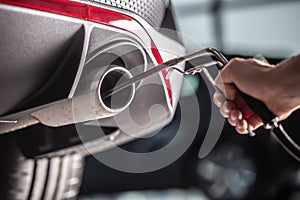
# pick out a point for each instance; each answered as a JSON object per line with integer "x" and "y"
{"x": 109, "y": 80}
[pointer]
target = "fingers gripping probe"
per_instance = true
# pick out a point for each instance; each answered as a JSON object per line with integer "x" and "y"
{"x": 270, "y": 120}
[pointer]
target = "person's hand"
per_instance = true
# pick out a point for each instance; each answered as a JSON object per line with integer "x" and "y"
{"x": 247, "y": 75}
{"x": 261, "y": 81}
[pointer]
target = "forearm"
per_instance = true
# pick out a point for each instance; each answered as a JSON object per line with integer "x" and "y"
{"x": 282, "y": 88}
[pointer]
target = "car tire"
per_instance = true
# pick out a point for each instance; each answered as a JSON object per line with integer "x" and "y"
{"x": 37, "y": 178}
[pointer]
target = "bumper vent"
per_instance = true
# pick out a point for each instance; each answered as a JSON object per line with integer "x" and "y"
{"x": 152, "y": 11}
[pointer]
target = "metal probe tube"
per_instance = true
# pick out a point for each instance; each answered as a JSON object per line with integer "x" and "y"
{"x": 163, "y": 66}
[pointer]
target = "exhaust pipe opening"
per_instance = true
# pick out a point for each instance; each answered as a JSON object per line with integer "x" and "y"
{"x": 109, "y": 80}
